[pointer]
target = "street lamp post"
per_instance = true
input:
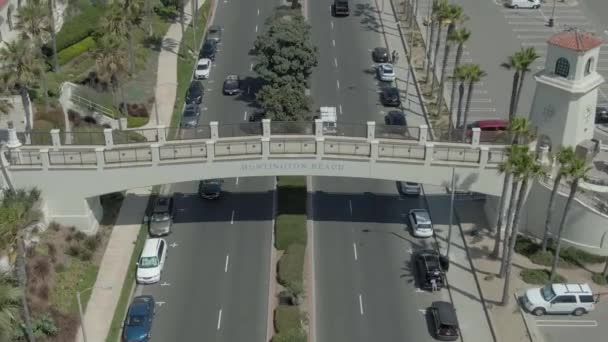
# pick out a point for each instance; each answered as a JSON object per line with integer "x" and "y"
{"x": 552, "y": 19}
{"x": 80, "y": 313}
{"x": 451, "y": 211}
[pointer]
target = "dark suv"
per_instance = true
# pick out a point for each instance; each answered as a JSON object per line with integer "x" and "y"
{"x": 340, "y": 8}
{"x": 209, "y": 49}
{"x": 430, "y": 266}
{"x": 161, "y": 220}
{"x": 390, "y": 97}
{"x": 445, "y": 322}
{"x": 195, "y": 93}
{"x": 210, "y": 188}
{"x": 232, "y": 85}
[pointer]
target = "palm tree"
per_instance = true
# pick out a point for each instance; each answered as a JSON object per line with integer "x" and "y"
{"x": 9, "y": 16}
{"x": 21, "y": 69}
{"x": 520, "y": 61}
{"x": 116, "y": 24}
{"x": 458, "y": 37}
{"x": 51, "y": 10}
{"x": 133, "y": 10}
{"x": 577, "y": 171}
{"x": 111, "y": 63}
{"x": 453, "y": 14}
{"x": 434, "y": 9}
{"x": 460, "y": 76}
{"x": 441, "y": 15}
{"x": 564, "y": 158}
{"x": 182, "y": 15}
{"x": 148, "y": 9}
{"x": 5, "y": 106}
{"x": 9, "y": 307}
{"x": 474, "y": 75}
{"x": 528, "y": 169}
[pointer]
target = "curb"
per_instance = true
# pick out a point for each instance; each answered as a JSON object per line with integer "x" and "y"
{"x": 529, "y": 325}
{"x": 273, "y": 270}
{"x": 310, "y": 258}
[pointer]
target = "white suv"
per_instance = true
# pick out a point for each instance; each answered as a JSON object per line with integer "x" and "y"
{"x": 560, "y": 298}
{"x": 151, "y": 261}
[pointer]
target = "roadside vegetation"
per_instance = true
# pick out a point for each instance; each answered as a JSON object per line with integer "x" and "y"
{"x": 290, "y": 233}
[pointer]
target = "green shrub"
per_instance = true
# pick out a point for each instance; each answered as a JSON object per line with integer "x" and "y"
{"x": 295, "y": 335}
{"x": 539, "y": 277}
{"x": 286, "y": 318}
{"x": 291, "y": 266}
{"x": 525, "y": 246}
{"x": 67, "y": 54}
{"x": 134, "y": 122}
{"x": 80, "y": 26}
{"x": 599, "y": 279}
{"x": 580, "y": 257}
{"x": 92, "y": 242}
{"x": 290, "y": 229}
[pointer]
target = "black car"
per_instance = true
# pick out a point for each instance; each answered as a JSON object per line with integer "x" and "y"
{"x": 430, "y": 267}
{"x": 380, "y": 55}
{"x": 209, "y": 49}
{"x": 395, "y": 118}
{"x": 257, "y": 116}
{"x": 445, "y": 322}
{"x": 601, "y": 115}
{"x": 195, "y": 93}
{"x": 214, "y": 32}
{"x": 191, "y": 115}
{"x": 210, "y": 188}
{"x": 340, "y": 8}
{"x": 232, "y": 85}
{"x": 390, "y": 97}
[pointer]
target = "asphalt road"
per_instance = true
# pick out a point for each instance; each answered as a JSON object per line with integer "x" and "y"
{"x": 215, "y": 282}
{"x": 363, "y": 285}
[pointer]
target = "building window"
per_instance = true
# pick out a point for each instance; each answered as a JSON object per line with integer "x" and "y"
{"x": 588, "y": 66}
{"x": 562, "y": 67}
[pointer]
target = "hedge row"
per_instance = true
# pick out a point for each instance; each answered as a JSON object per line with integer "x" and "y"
{"x": 295, "y": 335}
{"x": 291, "y": 267}
{"x": 72, "y": 51}
{"x": 79, "y": 27}
{"x": 287, "y": 318}
{"x": 290, "y": 229}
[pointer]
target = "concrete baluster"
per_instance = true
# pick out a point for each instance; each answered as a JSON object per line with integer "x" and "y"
{"x": 101, "y": 160}
{"x": 155, "y": 150}
{"x": 428, "y": 154}
{"x": 213, "y": 125}
{"x": 320, "y": 147}
{"x": 318, "y": 128}
{"x": 266, "y": 128}
{"x": 476, "y": 136}
{"x": 374, "y": 149}
{"x": 161, "y": 134}
{"x": 210, "y": 150}
{"x": 109, "y": 138}
{"x": 55, "y": 137}
{"x": 424, "y": 134}
{"x": 13, "y": 140}
{"x": 484, "y": 154}
{"x": 44, "y": 158}
{"x": 371, "y": 130}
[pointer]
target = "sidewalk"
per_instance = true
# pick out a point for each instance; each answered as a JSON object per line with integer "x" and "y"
{"x": 114, "y": 266}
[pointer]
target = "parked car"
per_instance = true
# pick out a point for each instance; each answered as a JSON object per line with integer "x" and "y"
{"x": 257, "y": 115}
{"x": 191, "y": 115}
{"x": 395, "y": 118}
{"x": 420, "y": 222}
{"x": 430, "y": 267}
{"x": 203, "y": 68}
{"x": 522, "y": 3}
{"x": 576, "y": 299}
{"x": 380, "y": 55}
{"x": 210, "y": 188}
{"x": 409, "y": 188}
{"x": 491, "y": 130}
{"x": 601, "y": 115}
{"x": 151, "y": 261}
{"x": 138, "y": 322}
{"x": 161, "y": 220}
{"x": 214, "y": 32}
{"x": 340, "y": 8}
{"x": 390, "y": 97}
{"x": 445, "y": 322}
{"x": 232, "y": 85}
{"x": 386, "y": 72}
{"x": 209, "y": 49}
{"x": 195, "y": 93}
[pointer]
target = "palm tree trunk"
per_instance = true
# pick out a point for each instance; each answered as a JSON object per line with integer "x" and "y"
{"x": 444, "y": 65}
{"x": 149, "y": 17}
{"x": 514, "y": 88}
{"x": 467, "y": 107}
{"x": 27, "y": 106}
{"x": 194, "y": 8}
{"x": 460, "y": 97}
{"x": 429, "y": 45}
{"x": 556, "y": 182}
{"x": 456, "y": 64}
{"x": 519, "y": 87}
{"x": 131, "y": 54}
{"x": 523, "y": 196}
{"x": 45, "y": 92}
{"x": 562, "y": 224}
{"x": 508, "y": 227}
{"x": 436, "y": 53}
{"x": 22, "y": 279}
{"x": 51, "y": 4}
{"x": 501, "y": 214}
{"x": 182, "y": 16}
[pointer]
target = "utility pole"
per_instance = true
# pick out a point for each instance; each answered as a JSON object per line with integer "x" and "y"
{"x": 451, "y": 211}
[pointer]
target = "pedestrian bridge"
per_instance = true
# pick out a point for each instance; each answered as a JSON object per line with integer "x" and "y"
{"x": 73, "y": 168}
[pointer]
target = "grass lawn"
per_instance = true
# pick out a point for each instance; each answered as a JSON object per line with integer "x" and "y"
{"x": 78, "y": 276}
{"x": 290, "y": 229}
{"x": 287, "y": 318}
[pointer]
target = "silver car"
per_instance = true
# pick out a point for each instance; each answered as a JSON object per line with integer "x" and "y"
{"x": 161, "y": 220}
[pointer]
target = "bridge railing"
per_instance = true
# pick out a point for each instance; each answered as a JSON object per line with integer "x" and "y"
{"x": 369, "y": 142}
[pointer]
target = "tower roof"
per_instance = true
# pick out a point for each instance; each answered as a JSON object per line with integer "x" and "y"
{"x": 577, "y": 41}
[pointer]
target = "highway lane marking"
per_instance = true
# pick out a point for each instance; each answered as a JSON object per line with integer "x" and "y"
{"x": 237, "y": 181}
{"x": 482, "y": 109}
{"x": 333, "y": 42}
{"x": 258, "y": 11}
{"x": 340, "y": 108}
{"x": 232, "y": 218}
{"x": 338, "y": 83}
{"x": 219, "y": 320}
{"x": 244, "y": 118}
{"x": 355, "y": 250}
{"x": 256, "y": 28}
{"x": 332, "y": 25}
{"x": 360, "y": 304}
{"x": 226, "y": 264}
{"x": 251, "y": 66}
{"x": 165, "y": 284}
{"x": 422, "y": 311}
{"x": 540, "y": 29}
{"x": 336, "y": 62}
{"x": 350, "y": 206}
{"x": 531, "y": 37}
{"x": 481, "y": 100}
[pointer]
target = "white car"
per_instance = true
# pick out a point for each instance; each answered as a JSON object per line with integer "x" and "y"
{"x": 421, "y": 224}
{"x": 523, "y": 3}
{"x": 151, "y": 261}
{"x": 409, "y": 188}
{"x": 203, "y": 67}
{"x": 575, "y": 299}
{"x": 386, "y": 72}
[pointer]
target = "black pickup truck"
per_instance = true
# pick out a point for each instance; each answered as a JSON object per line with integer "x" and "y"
{"x": 340, "y": 8}
{"x": 430, "y": 266}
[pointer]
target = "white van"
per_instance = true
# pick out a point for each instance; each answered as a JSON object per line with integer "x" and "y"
{"x": 576, "y": 299}
{"x": 151, "y": 261}
{"x": 523, "y": 3}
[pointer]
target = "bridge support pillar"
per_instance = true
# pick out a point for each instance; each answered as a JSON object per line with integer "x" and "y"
{"x": 371, "y": 131}
{"x": 55, "y": 138}
{"x": 424, "y": 134}
{"x": 44, "y": 158}
{"x": 266, "y": 128}
{"x": 161, "y": 134}
{"x": 109, "y": 138}
{"x": 374, "y": 149}
{"x": 101, "y": 160}
{"x": 484, "y": 153}
{"x": 476, "y": 136}
{"x": 428, "y": 154}
{"x": 320, "y": 148}
{"x": 210, "y": 150}
{"x": 84, "y": 214}
{"x": 155, "y": 150}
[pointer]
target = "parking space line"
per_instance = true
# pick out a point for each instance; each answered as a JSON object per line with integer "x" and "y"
{"x": 340, "y": 108}
{"x": 540, "y": 29}
{"x": 336, "y": 62}
{"x": 338, "y": 83}
{"x": 534, "y": 43}
{"x": 333, "y": 42}
{"x": 481, "y": 100}
{"x": 219, "y": 320}
{"x": 226, "y": 263}
{"x": 355, "y": 250}
{"x": 244, "y": 118}
{"x": 232, "y": 218}
{"x": 532, "y": 37}
{"x": 482, "y": 110}
{"x": 360, "y": 304}
{"x": 567, "y": 323}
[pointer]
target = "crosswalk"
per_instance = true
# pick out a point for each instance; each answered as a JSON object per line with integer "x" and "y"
{"x": 530, "y": 27}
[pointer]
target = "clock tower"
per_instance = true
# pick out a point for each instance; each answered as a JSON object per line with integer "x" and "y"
{"x": 563, "y": 109}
